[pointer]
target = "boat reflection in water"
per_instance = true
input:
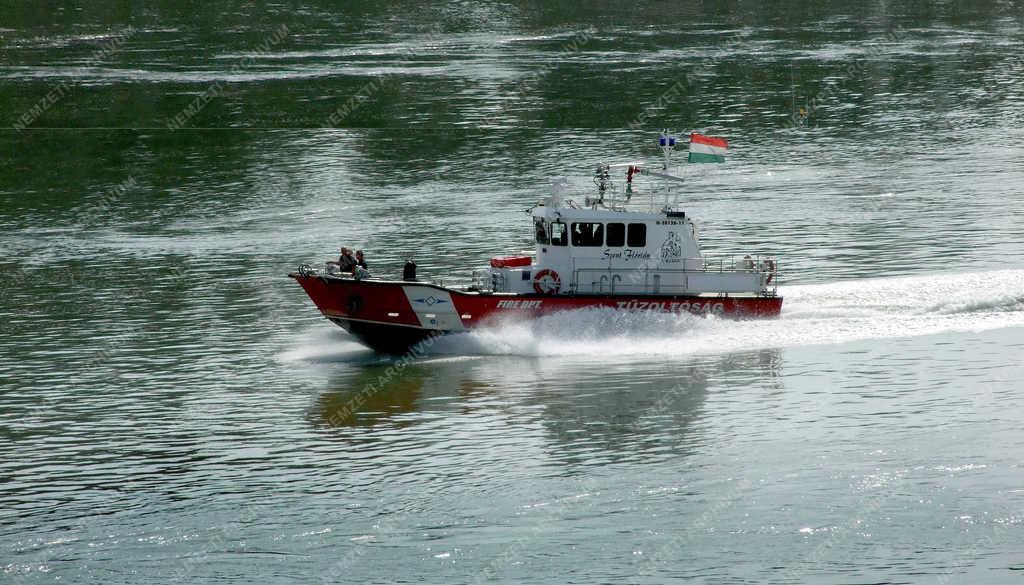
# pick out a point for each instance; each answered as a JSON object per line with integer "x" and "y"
{"x": 541, "y": 410}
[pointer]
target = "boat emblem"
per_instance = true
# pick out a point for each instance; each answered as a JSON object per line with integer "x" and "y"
{"x": 430, "y": 301}
{"x": 672, "y": 247}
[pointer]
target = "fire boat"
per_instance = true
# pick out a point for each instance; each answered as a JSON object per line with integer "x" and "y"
{"x": 594, "y": 254}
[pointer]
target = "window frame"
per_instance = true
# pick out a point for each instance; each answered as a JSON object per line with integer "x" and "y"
{"x": 596, "y": 236}
{"x": 565, "y": 233}
{"x": 608, "y": 235}
{"x": 630, "y": 239}
{"x": 541, "y": 229}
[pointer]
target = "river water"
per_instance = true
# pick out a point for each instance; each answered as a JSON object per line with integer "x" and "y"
{"x": 173, "y": 409}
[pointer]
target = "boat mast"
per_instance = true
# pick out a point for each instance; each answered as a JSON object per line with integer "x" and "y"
{"x": 606, "y": 186}
{"x": 667, "y": 142}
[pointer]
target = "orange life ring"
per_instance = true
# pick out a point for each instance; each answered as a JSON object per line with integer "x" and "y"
{"x": 547, "y": 282}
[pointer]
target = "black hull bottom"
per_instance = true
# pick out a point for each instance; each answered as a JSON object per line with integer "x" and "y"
{"x": 385, "y": 338}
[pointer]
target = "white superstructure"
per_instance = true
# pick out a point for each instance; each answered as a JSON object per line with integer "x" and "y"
{"x": 601, "y": 248}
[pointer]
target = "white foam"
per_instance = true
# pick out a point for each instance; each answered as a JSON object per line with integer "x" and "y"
{"x": 818, "y": 314}
{"x": 323, "y": 345}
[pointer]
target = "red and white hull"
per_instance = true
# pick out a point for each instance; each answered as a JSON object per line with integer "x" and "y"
{"x": 391, "y": 316}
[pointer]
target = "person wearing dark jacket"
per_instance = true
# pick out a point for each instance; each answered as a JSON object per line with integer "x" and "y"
{"x": 409, "y": 271}
{"x": 361, "y": 260}
{"x": 345, "y": 263}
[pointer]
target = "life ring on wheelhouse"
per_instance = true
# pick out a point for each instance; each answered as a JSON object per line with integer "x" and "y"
{"x": 547, "y": 282}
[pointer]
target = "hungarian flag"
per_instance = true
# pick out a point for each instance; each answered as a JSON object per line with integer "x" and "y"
{"x": 706, "y": 149}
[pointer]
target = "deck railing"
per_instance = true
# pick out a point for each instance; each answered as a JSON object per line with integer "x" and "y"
{"x": 648, "y": 279}
{"x": 645, "y": 279}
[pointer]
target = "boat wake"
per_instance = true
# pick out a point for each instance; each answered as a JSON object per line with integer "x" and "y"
{"x": 819, "y": 314}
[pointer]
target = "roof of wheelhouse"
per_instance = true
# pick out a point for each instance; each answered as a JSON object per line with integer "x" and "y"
{"x": 600, "y": 214}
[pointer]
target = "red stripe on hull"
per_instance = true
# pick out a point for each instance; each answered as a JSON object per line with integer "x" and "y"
{"x": 492, "y": 305}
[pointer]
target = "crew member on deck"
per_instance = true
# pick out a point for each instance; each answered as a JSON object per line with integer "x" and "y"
{"x": 360, "y": 271}
{"x": 409, "y": 271}
{"x": 345, "y": 263}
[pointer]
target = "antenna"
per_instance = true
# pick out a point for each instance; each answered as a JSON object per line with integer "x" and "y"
{"x": 603, "y": 178}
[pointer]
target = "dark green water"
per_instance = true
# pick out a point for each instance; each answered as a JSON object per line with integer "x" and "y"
{"x": 172, "y": 408}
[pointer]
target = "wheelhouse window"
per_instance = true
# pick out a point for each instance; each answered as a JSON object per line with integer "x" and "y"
{"x": 637, "y": 237}
{"x": 559, "y": 234}
{"x": 542, "y": 233}
{"x": 587, "y": 234}
{"x": 615, "y": 235}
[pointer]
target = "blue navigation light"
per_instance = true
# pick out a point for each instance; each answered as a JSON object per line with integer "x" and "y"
{"x": 671, "y": 140}
{"x": 662, "y": 141}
